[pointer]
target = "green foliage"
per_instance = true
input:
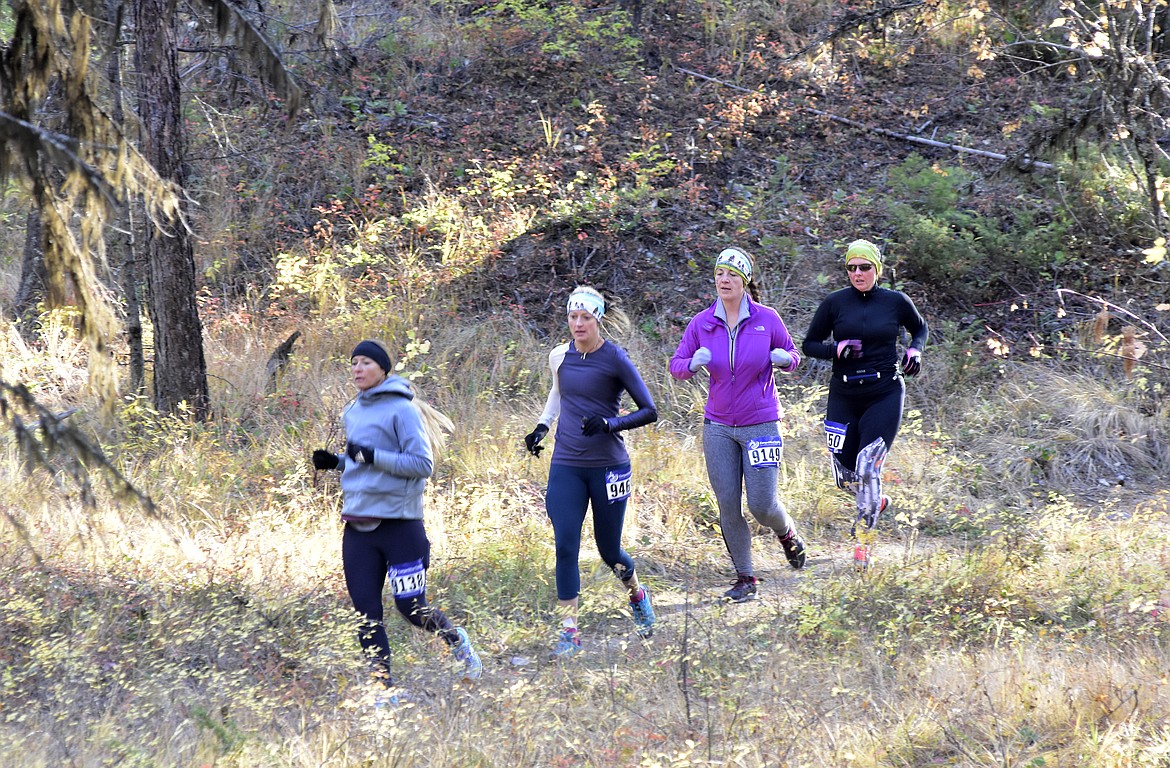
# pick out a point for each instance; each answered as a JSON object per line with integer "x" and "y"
{"x": 6, "y": 23}
{"x": 569, "y": 31}
{"x": 956, "y": 250}
{"x": 1105, "y": 191}
{"x": 381, "y": 159}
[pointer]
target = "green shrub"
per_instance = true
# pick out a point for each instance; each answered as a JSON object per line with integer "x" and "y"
{"x": 967, "y": 245}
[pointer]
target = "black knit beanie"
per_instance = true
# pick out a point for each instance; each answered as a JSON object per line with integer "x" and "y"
{"x": 374, "y": 351}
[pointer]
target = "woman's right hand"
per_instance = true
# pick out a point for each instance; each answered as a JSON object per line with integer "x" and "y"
{"x": 701, "y": 357}
{"x": 533, "y": 438}
{"x": 323, "y": 459}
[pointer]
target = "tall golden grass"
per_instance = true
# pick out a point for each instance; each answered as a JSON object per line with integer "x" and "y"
{"x": 1016, "y": 616}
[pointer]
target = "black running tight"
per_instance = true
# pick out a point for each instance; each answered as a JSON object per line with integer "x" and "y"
{"x": 397, "y": 550}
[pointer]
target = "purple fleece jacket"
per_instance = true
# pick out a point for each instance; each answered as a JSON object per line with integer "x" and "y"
{"x": 743, "y": 390}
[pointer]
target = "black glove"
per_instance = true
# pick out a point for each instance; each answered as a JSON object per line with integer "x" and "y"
{"x": 911, "y": 362}
{"x": 359, "y": 453}
{"x": 324, "y": 460}
{"x": 592, "y": 425}
{"x": 533, "y": 438}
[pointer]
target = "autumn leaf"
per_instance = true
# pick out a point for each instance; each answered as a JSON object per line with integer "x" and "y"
{"x": 1157, "y": 253}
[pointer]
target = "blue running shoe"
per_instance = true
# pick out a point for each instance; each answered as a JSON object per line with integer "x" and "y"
{"x": 568, "y": 644}
{"x": 643, "y": 611}
{"x": 389, "y": 699}
{"x": 472, "y": 666}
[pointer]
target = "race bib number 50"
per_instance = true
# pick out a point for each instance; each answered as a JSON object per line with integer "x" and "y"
{"x": 618, "y": 485}
{"x": 835, "y": 435}
{"x": 408, "y": 579}
{"x": 766, "y": 451}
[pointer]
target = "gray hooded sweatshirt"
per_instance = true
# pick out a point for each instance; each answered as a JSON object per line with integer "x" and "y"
{"x": 384, "y": 418}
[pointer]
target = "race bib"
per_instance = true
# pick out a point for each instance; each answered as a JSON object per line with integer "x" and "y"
{"x": 618, "y": 485}
{"x": 835, "y": 435}
{"x": 408, "y": 579}
{"x": 766, "y": 451}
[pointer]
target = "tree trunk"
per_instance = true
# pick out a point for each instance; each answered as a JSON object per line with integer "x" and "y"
{"x": 32, "y": 277}
{"x": 180, "y": 370}
{"x": 120, "y": 247}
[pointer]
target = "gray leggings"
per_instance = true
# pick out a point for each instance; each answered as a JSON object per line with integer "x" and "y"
{"x": 729, "y": 471}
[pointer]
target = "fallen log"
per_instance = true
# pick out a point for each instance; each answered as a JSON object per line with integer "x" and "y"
{"x": 1025, "y": 164}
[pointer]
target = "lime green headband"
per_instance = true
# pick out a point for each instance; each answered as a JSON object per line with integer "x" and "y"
{"x": 864, "y": 249}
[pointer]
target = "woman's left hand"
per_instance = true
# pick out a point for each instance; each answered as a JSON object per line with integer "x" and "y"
{"x": 911, "y": 362}
{"x": 359, "y": 453}
{"x": 592, "y": 425}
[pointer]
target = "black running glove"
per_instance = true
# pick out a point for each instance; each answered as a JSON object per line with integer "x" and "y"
{"x": 323, "y": 459}
{"x": 359, "y": 453}
{"x": 911, "y": 362}
{"x": 592, "y": 425}
{"x": 533, "y": 438}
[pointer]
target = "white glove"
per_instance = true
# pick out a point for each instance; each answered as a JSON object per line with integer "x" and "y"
{"x": 701, "y": 357}
{"x": 781, "y": 357}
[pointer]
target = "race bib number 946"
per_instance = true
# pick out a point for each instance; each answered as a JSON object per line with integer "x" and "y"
{"x": 765, "y": 452}
{"x": 835, "y": 435}
{"x": 618, "y": 485}
{"x": 408, "y": 579}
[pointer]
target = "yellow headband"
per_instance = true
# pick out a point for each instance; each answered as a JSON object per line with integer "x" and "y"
{"x": 864, "y": 249}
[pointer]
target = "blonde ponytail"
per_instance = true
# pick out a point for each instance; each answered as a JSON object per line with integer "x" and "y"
{"x": 435, "y": 424}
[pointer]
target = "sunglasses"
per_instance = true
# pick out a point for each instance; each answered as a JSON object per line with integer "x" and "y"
{"x": 863, "y": 267}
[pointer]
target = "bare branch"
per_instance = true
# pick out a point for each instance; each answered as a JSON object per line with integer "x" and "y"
{"x": 1026, "y": 163}
{"x": 48, "y": 442}
{"x": 34, "y": 141}
{"x": 229, "y": 19}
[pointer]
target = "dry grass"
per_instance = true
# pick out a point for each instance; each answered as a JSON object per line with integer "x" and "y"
{"x": 1069, "y": 430}
{"x": 219, "y": 632}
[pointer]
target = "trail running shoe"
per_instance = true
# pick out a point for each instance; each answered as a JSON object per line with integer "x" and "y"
{"x": 391, "y": 698}
{"x": 793, "y": 548}
{"x": 742, "y": 589}
{"x": 885, "y": 503}
{"x": 863, "y": 539}
{"x": 643, "y": 611}
{"x": 568, "y": 644}
{"x": 464, "y": 652}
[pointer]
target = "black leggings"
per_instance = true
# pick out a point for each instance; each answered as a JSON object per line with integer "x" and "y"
{"x": 398, "y": 549}
{"x": 860, "y": 426}
{"x": 866, "y": 415}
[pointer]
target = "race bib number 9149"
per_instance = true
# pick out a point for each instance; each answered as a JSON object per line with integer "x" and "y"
{"x": 766, "y": 451}
{"x": 408, "y": 579}
{"x": 618, "y": 485}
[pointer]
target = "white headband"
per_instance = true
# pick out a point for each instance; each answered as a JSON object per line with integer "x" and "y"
{"x": 590, "y": 302}
{"x": 737, "y": 261}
